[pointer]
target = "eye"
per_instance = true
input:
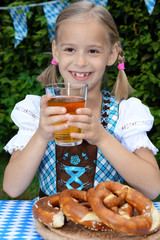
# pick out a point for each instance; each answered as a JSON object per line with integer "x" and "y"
{"x": 69, "y": 50}
{"x": 93, "y": 51}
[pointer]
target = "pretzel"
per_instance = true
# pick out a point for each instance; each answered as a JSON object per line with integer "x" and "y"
{"x": 71, "y": 203}
{"x": 116, "y": 204}
{"x": 148, "y": 220}
{"x": 47, "y": 210}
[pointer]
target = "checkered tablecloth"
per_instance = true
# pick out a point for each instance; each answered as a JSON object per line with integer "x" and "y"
{"x": 16, "y": 220}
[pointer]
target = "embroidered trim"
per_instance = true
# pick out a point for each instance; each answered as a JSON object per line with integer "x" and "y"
{"x": 138, "y": 123}
{"x": 27, "y": 111}
{"x": 86, "y": 185}
{"x": 62, "y": 166}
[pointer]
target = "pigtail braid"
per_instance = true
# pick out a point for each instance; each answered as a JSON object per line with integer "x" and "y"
{"x": 121, "y": 89}
{"x": 49, "y": 75}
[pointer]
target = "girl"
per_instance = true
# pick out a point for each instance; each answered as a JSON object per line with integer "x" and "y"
{"x": 115, "y": 143}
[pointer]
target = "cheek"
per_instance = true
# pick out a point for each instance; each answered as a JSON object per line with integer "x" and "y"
{"x": 101, "y": 66}
{"x": 62, "y": 63}
{"x": 63, "y": 60}
{"x": 101, "y": 62}
{"x": 63, "y": 69}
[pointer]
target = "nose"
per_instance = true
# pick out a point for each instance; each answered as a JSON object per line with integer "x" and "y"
{"x": 81, "y": 59}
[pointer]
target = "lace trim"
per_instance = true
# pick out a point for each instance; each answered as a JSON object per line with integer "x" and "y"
{"x": 27, "y": 111}
{"x": 14, "y": 148}
{"x": 153, "y": 149}
{"x": 138, "y": 123}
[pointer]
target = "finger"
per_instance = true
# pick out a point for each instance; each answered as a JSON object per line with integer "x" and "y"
{"x": 55, "y": 110}
{"x": 59, "y": 127}
{"x": 50, "y": 109}
{"x": 57, "y": 119}
{"x": 79, "y": 118}
{"x": 78, "y": 135}
{"x": 50, "y": 130}
{"x": 44, "y": 100}
{"x": 83, "y": 126}
{"x": 84, "y": 111}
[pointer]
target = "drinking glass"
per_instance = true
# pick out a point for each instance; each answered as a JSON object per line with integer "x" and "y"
{"x": 71, "y": 96}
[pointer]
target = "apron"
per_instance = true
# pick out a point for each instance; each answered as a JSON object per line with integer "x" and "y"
{"x": 82, "y": 166}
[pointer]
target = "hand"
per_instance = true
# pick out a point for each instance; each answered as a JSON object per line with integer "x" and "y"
{"x": 48, "y": 116}
{"x": 85, "y": 120}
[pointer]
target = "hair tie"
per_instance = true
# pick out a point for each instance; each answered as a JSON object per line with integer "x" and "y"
{"x": 53, "y": 62}
{"x": 121, "y": 66}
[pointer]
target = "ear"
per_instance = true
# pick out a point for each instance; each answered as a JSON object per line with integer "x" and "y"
{"x": 54, "y": 51}
{"x": 113, "y": 55}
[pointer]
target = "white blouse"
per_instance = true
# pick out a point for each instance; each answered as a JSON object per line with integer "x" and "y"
{"x": 135, "y": 120}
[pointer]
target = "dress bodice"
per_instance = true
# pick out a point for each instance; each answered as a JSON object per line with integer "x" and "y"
{"x": 82, "y": 166}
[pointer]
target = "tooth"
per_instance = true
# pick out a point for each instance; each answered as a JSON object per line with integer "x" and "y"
{"x": 80, "y": 75}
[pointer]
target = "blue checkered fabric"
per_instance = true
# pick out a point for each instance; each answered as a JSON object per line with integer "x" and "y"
{"x": 47, "y": 170}
{"x": 150, "y": 5}
{"x": 51, "y": 11}
{"x": 18, "y": 15}
{"x": 16, "y": 220}
{"x": 111, "y": 112}
{"x": 104, "y": 170}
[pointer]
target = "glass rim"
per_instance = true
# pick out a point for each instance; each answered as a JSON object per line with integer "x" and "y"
{"x": 68, "y": 85}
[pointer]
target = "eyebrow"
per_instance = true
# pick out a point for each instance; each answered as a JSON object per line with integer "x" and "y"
{"x": 95, "y": 46}
{"x": 89, "y": 46}
{"x": 67, "y": 44}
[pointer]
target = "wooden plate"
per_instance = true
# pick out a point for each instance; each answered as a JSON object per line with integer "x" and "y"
{"x": 72, "y": 231}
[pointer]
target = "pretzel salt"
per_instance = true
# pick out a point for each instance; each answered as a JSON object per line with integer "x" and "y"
{"x": 47, "y": 210}
{"x": 148, "y": 220}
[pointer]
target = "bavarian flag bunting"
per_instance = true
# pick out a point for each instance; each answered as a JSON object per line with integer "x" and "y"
{"x": 19, "y": 19}
{"x": 99, "y": 2}
{"x": 51, "y": 11}
{"x": 150, "y": 5}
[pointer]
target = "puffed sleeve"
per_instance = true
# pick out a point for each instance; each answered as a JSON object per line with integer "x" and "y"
{"x": 26, "y": 116}
{"x": 135, "y": 120}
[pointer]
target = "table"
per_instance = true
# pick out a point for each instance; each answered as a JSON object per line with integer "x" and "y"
{"x": 17, "y": 222}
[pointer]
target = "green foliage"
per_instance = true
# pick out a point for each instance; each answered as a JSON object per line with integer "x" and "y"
{"x": 19, "y": 67}
{"x": 140, "y": 37}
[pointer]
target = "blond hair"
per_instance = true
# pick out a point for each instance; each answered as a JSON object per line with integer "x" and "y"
{"x": 121, "y": 89}
{"x": 79, "y": 11}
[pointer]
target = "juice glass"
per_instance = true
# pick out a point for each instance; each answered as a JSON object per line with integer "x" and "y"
{"x": 71, "y": 96}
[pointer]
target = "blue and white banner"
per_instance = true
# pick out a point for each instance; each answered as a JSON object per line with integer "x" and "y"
{"x": 51, "y": 11}
{"x": 99, "y": 2}
{"x": 18, "y": 15}
{"x": 150, "y": 5}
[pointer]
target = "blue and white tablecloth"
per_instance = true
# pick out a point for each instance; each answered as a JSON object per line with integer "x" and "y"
{"x": 17, "y": 222}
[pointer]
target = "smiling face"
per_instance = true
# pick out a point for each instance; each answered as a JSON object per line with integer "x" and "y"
{"x": 83, "y": 51}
